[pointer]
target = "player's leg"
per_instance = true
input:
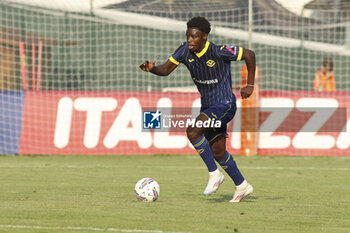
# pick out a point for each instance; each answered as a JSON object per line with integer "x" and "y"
{"x": 196, "y": 136}
{"x": 225, "y": 159}
{"x": 200, "y": 143}
{"x": 221, "y": 113}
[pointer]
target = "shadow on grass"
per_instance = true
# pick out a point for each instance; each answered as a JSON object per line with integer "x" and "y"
{"x": 250, "y": 198}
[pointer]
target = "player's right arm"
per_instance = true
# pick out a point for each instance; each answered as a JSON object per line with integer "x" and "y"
{"x": 162, "y": 70}
{"x": 169, "y": 66}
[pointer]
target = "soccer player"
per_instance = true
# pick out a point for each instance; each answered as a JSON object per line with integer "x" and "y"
{"x": 210, "y": 69}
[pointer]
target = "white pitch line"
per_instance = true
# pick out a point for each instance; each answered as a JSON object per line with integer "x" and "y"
{"x": 178, "y": 167}
{"x": 86, "y": 229}
{"x": 301, "y": 168}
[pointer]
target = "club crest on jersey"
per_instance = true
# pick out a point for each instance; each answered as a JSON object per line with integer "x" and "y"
{"x": 210, "y": 63}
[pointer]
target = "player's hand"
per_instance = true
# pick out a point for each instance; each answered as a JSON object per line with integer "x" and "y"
{"x": 247, "y": 91}
{"x": 146, "y": 66}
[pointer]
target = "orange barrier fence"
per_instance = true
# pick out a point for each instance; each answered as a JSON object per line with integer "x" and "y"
{"x": 250, "y": 116}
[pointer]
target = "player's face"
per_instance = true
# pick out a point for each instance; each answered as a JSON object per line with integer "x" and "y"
{"x": 196, "y": 39}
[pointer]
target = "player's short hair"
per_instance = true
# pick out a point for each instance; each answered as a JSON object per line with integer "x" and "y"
{"x": 199, "y": 22}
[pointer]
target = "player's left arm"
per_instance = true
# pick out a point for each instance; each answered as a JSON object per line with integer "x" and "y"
{"x": 249, "y": 57}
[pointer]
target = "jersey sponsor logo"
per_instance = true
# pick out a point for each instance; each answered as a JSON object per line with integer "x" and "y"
{"x": 210, "y": 63}
{"x": 190, "y": 60}
{"x": 212, "y": 81}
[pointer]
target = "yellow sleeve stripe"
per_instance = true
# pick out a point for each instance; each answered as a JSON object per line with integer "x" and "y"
{"x": 174, "y": 61}
{"x": 240, "y": 53}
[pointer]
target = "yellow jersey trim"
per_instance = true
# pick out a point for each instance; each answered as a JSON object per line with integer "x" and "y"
{"x": 174, "y": 61}
{"x": 205, "y": 115}
{"x": 216, "y": 136}
{"x": 240, "y": 53}
{"x": 201, "y": 53}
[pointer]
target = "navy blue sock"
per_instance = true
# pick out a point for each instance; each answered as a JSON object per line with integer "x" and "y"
{"x": 229, "y": 165}
{"x": 203, "y": 148}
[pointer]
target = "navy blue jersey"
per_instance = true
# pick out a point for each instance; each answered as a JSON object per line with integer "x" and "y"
{"x": 210, "y": 70}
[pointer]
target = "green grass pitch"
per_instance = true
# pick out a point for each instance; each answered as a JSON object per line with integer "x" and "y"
{"x": 72, "y": 194}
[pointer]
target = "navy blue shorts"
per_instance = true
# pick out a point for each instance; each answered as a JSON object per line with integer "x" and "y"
{"x": 224, "y": 113}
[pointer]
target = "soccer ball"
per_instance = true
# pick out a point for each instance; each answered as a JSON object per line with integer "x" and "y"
{"x": 147, "y": 189}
